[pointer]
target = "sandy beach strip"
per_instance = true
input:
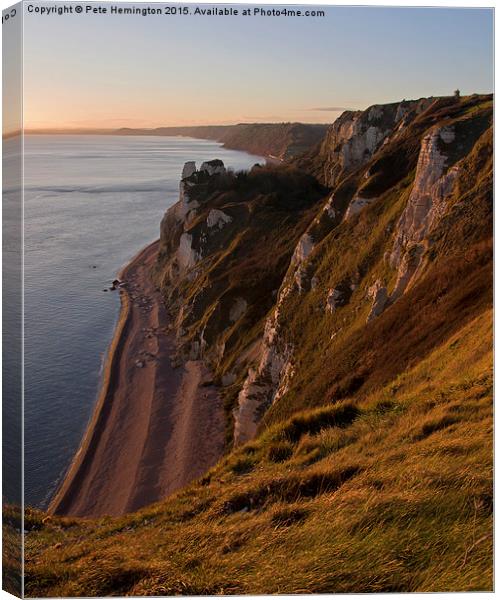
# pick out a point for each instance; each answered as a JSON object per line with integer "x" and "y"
{"x": 155, "y": 426}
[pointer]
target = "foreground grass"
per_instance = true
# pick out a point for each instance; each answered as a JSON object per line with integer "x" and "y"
{"x": 11, "y": 548}
{"x": 390, "y": 492}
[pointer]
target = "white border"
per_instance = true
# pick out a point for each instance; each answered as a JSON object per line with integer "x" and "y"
{"x": 401, "y": 3}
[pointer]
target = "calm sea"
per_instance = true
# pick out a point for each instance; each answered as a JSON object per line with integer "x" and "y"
{"x": 91, "y": 203}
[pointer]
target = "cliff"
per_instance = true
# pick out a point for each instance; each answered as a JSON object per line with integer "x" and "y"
{"x": 225, "y": 247}
{"x": 344, "y": 305}
{"x": 413, "y": 154}
{"x": 279, "y": 141}
{"x": 353, "y": 139}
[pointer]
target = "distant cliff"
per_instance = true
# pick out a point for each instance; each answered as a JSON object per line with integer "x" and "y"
{"x": 281, "y": 141}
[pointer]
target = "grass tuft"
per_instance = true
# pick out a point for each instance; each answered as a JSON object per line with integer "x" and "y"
{"x": 310, "y": 422}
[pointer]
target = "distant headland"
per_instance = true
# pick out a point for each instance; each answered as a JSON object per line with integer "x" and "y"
{"x": 280, "y": 141}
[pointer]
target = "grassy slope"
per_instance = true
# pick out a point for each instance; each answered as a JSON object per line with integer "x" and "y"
{"x": 11, "y": 549}
{"x": 337, "y": 354}
{"x": 397, "y": 498}
{"x": 373, "y": 473}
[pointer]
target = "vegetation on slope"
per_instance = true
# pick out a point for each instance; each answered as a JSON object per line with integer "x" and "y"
{"x": 389, "y": 494}
{"x": 11, "y": 549}
{"x": 336, "y": 352}
{"x": 372, "y": 471}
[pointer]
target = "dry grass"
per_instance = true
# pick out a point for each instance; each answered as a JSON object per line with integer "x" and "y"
{"x": 11, "y": 549}
{"x": 398, "y": 498}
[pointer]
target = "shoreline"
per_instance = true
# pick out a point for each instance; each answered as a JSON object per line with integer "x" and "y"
{"x": 60, "y": 498}
{"x": 142, "y": 441}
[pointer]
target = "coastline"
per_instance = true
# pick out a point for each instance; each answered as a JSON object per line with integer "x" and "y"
{"x": 142, "y": 442}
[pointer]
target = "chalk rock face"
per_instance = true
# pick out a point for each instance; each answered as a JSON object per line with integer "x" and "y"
{"x": 246, "y": 414}
{"x": 185, "y": 247}
{"x": 270, "y": 380}
{"x": 329, "y": 207}
{"x": 301, "y": 253}
{"x": 378, "y": 293}
{"x": 185, "y": 209}
{"x": 188, "y": 170}
{"x": 351, "y": 142}
{"x": 303, "y": 249}
{"x": 301, "y": 278}
{"x": 213, "y": 167}
{"x": 426, "y": 205}
{"x": 355, "y": 136}
{"x": 427, "y": 189}
{"x": 217, "y": 218}
{"x": 356, "y": 205}
{"x": 186, "y": 204}
{"x": 187, "y": 256}
{"x": 257, "y": 394}
{"x": 333, "y": 300}
{"x": 262, "y": 385}
{"x": 339, "y": 296}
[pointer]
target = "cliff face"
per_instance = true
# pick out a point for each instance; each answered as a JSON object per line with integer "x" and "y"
{"x": 282, "y": 141}
{"x": 355, "y": 137}
{"x": 357, "y": 263}
{"x": 279, "y": 141}
{"x": 224, "y": 249}
{"x": 394, "y": 171}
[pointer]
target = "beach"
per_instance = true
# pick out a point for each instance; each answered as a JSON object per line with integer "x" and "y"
{"x": 156, "y": 426}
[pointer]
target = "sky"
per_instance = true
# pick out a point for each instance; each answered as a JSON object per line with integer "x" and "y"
{"x": 107, "y": 71}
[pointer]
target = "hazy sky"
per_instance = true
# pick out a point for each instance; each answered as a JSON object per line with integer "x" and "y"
{"x": 112, "y": 71}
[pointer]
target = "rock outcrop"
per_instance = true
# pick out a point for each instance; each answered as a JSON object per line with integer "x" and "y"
{"x": 213, "y": 167}
{"x": 355, "y": 136}
{"x": 378, "y": 293}
{"x": 188, "y": 170}
{"x": 267, "y": 382}
{"x": 356, "y": 205}
{"x": 437, "y": 171}
{"x": 216, "y": 218}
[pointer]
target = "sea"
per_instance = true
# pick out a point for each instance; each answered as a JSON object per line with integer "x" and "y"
{"x": 90, "y": 204}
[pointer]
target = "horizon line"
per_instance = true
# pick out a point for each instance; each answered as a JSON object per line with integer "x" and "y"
{"x": 34, "y": 130}
{"x": 109, "y": 130}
